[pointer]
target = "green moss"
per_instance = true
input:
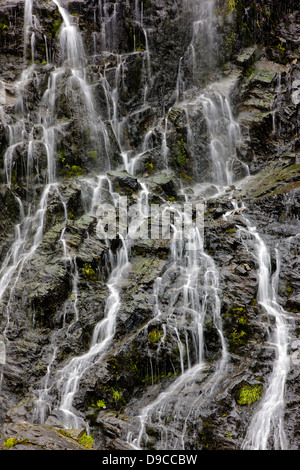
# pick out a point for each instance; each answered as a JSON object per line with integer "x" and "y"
{"x": 237, "y": 337}
{"x": 231, "y": 6}
{"x": 92, "y": 155}
{"x": 139, "y": 47}
{"x": 206, "y": 436}
{"x": 89, "y": 272}
{"x": 238, "y": 309}
{"x": 181, "y": 158}
{"x": 10, "y": 442}
{"x": 149, "y": 167}
{"x": 86, "y": 440}
{"x": 280, "y": 47}
{"x": 155, "y": 336}
{"x": 249, "y": 394}
{"x": 230, "y": 42}
{"x": 99, "y": 404}
{"x": 181, "y": 153}
{"x": 3, "y": 27}
{"x": 116, "y": 395}
{"x": 83, "y": 439}
{"x": 237, "y": 326}
{"x": 275, "y": 180}
{"x": 156, "y": 378}
{"x": 74, "y": 171}
{"x": 56, "y": 28}
{"x": 113, "y": 363}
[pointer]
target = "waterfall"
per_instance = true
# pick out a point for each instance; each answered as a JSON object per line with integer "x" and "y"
{"x": 196, "y": 297}
{"x": 200, "y": 60}
{"x": 67, "y": 380}
{"x": 268, "y": 420}
{"x": 70, "y": 41}
{"x": 174, "y": 408}
{"x": 267, "y": 423}
{"x": 200, "y": 97}
{"x": 223, "y": 142}
{"x": 127, "y": 134}
{"x": 29, "y": 230}
{"x": 28, "y": 24}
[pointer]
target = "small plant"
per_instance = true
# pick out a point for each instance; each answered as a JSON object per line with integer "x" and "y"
{"x": 56, "y": 28}
{"x": 4, "y": 27}
{"x": 155, "y": 336}
{"x": 243, "y": 320}
{"x": 149, "y": 167}
{"x": 89, "y": 272}
{"x": 101, "y": 404}
{"x": 280, "y": 47}
{"x": 10, "y": 442}
{"x": 181, "y": 159}
{"x": 237, "y": 337}
{"x": 74, "y": 171}
{"x": 250, "y": 394}
{"x": 231, "y": 6}
{"x": 116, "y": 395}
{"x": 86, "y": 440}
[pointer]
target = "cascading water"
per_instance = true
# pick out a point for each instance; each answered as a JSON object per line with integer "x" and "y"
{"x": 196, "y": 271}
{"x": 187, "y": 293}
{"x": 267, "y": 423}
{"x": 174, "y": 408}
{"x": 30, "y": 21}
{"x": 29, "y": 230}
{"x": 169, "y": 416}
{"x": 68, "y": 378}
{"x": 66, "y": 381}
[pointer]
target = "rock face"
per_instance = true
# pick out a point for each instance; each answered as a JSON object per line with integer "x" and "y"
{"x": 120, "y": 112}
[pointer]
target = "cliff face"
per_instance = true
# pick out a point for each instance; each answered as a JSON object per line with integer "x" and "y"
{"x": 160, "y": 103}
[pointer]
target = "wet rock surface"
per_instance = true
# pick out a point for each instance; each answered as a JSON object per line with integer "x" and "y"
{"x": 50, "y": 309}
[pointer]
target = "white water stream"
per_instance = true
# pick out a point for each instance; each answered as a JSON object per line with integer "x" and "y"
{"x": 266, "y": 429}
{"x": 268, "y": 421}
{"x": 197, "y": 288}
{"x": 67, "y": 380}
